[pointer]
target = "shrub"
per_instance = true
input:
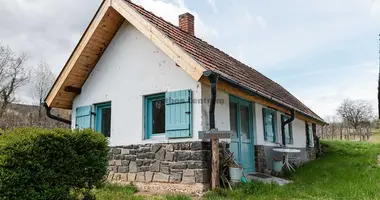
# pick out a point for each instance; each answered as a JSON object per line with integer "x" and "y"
{"x": 50, "y": 164}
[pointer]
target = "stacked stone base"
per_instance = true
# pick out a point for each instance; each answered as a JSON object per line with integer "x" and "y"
{"x": 181, "y": 167}
{"x": 260, "y": 159}
{"x": 311, "y": 153}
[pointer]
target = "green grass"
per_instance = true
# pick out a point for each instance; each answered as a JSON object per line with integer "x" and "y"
{"x": 108, "y": 192}
{"x": 347, "y": 171}
{"x": 117, "y": 192}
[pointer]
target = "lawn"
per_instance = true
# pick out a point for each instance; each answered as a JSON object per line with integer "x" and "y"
{"x": 347, "y": 170}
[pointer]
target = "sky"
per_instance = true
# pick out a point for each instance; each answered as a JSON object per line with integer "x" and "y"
{"x": 322, "y": 51}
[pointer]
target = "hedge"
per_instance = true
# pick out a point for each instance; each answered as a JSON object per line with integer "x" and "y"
{"x": 51, "y": 164}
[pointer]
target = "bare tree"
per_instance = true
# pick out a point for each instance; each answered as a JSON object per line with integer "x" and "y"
{"x": 356, "y": 112}
{"x": 13, "y": 75}
{"x": 43, "y": 79}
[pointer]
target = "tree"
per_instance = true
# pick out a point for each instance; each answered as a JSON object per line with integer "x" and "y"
{"x": 43, "y": 79}
{"x": 356, "y": 112}
{"x": 13, "y": 75}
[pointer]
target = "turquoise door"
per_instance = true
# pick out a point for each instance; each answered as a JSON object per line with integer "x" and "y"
{"x": 242, "y": 136}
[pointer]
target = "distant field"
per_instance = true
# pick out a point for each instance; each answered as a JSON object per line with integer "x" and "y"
{"x": 375, "y": 136}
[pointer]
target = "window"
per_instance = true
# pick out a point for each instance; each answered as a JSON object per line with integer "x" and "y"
{"x": 155, "y": 115}
{"x": 309, "y": 135}
{"x": 103, "y": 118}
{"x": 288, "y": 132}
{"x": 269, "y": 118}
{"x": 168, "y": 115}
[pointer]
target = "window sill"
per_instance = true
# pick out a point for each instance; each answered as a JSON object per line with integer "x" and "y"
{"x": 156, "y": 139}
{"x": 268, "y": 143}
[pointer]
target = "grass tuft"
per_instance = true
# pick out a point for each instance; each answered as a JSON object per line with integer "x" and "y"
{"x": 112, "y": 191}
{"x": 176, "y": 197}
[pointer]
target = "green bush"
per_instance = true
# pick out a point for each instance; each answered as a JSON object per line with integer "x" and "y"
{"x": 51, "y": 164}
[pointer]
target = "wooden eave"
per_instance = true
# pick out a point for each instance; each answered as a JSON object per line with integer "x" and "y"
{"x": 228, "y": 88}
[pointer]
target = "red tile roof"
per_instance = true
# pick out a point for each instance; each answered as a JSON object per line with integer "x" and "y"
{"x": 213, "y": 59}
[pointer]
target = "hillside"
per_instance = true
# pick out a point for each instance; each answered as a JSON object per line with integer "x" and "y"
{"x": 19, "y": 115}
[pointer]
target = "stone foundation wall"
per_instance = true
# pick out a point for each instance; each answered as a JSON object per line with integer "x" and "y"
{"x": 311, "y": 153}
{"x": 264, "y": 155}
{"x": 260, "y": 160}
{"x": 179, "y": 163}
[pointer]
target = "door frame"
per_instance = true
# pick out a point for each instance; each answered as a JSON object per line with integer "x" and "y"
{"x": 251, "y": 124}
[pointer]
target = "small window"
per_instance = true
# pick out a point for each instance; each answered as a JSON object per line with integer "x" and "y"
{"x": 103, "y": 119}
{"x": 269, "y": 118}
{"x": 288, "y": 132}
{"x": 309, "y": 135}
{"x": 155, "y": 115}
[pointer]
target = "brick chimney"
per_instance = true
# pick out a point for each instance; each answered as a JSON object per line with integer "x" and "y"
{"x": 186, "y": 23}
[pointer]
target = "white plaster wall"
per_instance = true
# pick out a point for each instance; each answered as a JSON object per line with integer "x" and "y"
{"x": 298, "y": 127}
{"x": 222, "y": 109}
{"x": 131, "y": 67}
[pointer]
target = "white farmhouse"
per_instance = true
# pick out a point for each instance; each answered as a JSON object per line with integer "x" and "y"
{"x": 139, "y": 80}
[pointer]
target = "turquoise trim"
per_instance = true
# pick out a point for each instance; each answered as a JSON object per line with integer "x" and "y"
{"x": 267, "y": 111}
{"x": 148, "y": 126}
{"x": 288, "y": 140}
{"x": 98, "y": 116}
{"x": 250, "y": 158}
{"x": 254, "y": 123}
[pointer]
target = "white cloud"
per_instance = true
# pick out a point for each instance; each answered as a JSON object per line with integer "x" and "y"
{"x": 171, "y": 11}
{"x": 353, "y": 82}
{"x": 297, "y": 28}
{"x": 262, "y": 22}
{"x": 375, "y": 9}
{"x": 213, "y": 6}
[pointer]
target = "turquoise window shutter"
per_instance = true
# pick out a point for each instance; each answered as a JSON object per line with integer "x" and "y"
{"x": 307, "y": 134}
{"x": 274, "y": 125}
{"x": 178, "y": 114}
{"x": 83, "y": 117}
{"x": 287, "y": 130}
{"x": 268, "y": 125}
{"x": 269, "y": 118}
{"x": 265, "y": 124}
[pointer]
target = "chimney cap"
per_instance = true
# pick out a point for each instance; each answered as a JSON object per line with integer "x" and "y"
{"x": 186, "y": 14}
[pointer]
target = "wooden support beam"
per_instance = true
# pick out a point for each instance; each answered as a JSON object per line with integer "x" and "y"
{"x": 74, "y": 90}
{"x": 215, "y": 164}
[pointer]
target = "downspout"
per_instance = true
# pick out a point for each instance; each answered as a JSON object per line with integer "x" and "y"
{"x": 283, "y": 126}
{"x": 213, "y": 78}
{"x": 48, "y": 113}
